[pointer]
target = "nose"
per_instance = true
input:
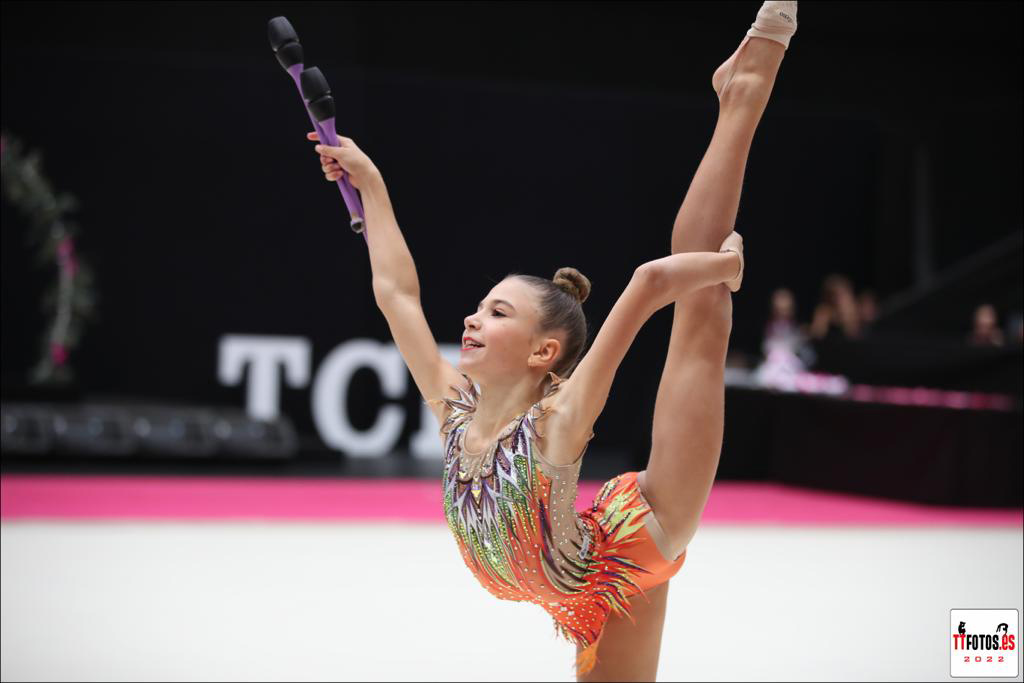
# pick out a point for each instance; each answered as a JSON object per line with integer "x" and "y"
{"x": 470, "y": 321}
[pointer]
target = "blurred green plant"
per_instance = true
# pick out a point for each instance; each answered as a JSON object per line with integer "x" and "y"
{"x": 70, "y": 300}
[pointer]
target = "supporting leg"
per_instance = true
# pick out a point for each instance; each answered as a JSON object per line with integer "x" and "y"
{"x": 628, "y": 651}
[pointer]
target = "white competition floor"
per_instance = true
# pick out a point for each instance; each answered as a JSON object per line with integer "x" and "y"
{"x": 123, "y": 600}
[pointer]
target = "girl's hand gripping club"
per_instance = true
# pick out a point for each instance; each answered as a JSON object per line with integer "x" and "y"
{"x": 316, "y": 95}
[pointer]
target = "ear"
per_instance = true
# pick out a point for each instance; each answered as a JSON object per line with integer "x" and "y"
{"x": 545, "y": 353}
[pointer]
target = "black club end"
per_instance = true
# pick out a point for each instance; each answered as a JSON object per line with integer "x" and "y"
{"x": 281, "y": 32}
{"x": 285, "y": 42}
{"x": 317, "y": 92}
{"x": 313, "y": 84}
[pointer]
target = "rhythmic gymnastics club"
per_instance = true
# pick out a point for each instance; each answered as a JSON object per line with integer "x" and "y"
{"x": 316, "y": 96}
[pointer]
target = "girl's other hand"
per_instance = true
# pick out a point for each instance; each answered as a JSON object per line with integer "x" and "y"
{"x": 345, "y": 157}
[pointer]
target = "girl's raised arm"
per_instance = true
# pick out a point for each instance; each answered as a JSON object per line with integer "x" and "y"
{"x": 654, "y": 285}
{"x": 396, "y": 287}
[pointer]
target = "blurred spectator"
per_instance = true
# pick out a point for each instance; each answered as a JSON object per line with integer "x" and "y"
{"x": 986, "y": 330}
{"x": 783, "y": 330}
{"x": 837, "y": 313}
{"x": 782, "y": 316}
{"x": 867, "y": 310}
{"x": 785, "y": 347}
{"x": 1015, "y": 328}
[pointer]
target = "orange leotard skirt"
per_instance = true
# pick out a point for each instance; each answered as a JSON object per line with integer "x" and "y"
{"x": 620, "y": 506}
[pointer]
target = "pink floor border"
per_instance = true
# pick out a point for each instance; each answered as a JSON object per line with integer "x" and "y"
{"x": 77, "y": 497}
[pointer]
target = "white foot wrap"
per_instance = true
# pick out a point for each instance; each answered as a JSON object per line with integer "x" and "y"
{"x": 775, "y": 21}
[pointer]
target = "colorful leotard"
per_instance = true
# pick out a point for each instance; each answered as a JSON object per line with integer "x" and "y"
{"x": 513, "y": 515}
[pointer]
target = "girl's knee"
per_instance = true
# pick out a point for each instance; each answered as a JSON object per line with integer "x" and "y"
{"x": 711, "y": 309}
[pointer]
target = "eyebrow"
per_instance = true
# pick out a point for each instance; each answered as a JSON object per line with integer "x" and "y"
{"x": 498, "y": 301}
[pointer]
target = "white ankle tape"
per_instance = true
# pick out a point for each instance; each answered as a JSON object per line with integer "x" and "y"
{"x": 775, "y": 21}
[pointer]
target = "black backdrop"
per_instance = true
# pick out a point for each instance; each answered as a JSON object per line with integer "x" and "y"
{"x": 516, "y": 137}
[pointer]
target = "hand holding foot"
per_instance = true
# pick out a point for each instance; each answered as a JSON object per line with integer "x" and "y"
{"x": 734, "y": 243}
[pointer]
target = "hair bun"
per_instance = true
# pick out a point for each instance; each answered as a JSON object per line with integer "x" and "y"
{"x": 574, "y": 282}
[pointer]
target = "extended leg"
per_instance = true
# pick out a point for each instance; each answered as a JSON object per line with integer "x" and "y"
{"x": 689, "y": 409}
{"x": 708, "y": 212}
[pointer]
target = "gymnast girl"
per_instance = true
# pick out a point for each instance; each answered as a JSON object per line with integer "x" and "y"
{"x": 517, "y": 411}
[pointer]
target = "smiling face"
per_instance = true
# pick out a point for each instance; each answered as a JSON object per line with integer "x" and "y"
{"x": 506, "y": 322}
